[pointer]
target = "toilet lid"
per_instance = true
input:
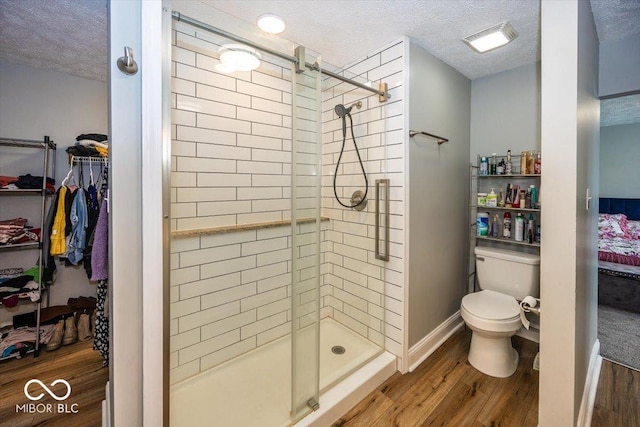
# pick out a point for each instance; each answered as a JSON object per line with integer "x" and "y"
{"x": 491, "y": 305}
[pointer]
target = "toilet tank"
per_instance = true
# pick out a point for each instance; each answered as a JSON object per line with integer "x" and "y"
{"x": 508, "y": 272}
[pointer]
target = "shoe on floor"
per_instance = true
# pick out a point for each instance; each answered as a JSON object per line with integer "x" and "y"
{"x": 56, "y": 339}
{"x": 93, "y": 322}
{"x": 84, "y": 333}
{"x": 70, "y": 331}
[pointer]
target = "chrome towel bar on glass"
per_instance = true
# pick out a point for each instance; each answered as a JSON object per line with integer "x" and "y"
{"x": 440, "y": 139}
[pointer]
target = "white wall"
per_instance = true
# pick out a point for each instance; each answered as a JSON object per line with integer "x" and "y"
{"x": 620, "y": 66}
{"x": 619, "y": 160}
{"x": 34, "y": 103}
{"x": 570, "y": 139}
{"x": 505, "y": 112}
{"x": 440, "y": 103}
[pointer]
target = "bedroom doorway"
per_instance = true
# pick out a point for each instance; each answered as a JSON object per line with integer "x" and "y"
{"x": 619, "y": 231}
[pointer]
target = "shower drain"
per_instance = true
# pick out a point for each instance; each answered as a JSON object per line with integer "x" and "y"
{"x": 338, "y": 349}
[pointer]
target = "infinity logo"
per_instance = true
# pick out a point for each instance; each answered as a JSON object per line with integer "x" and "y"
{"x": 47, "y": 389}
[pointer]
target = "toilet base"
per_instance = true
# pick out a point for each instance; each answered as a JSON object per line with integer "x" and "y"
{"x": 493, "y": 356}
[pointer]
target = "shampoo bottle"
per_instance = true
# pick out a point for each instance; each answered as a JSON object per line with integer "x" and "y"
{"x": 534, "y": 196}
{"x": 495, "y": 226}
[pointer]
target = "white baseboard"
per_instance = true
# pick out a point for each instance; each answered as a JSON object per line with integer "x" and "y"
{"x": 427, "y": 345}
{"x": 106, "y": 408}
{"x": 590, "y": 387}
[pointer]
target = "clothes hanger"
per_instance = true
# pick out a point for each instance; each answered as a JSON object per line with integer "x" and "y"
{"x": 91, "y": 172}
{"x": 69, "y": 176}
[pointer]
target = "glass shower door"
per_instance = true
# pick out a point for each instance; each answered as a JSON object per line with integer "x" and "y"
{"x": 305, "y": 225}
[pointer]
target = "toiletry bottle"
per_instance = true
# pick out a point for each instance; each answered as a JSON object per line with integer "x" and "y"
{"x": 531, "y": 228}
{"x": 534, "y": 196}
{"x": 501, "y": 202}
{"x": 516, "y": 196}
{"x": 484, "y": 166}
{"x": 523, "y": 163}
{"x": 523, "y": 199}
{"x": 501, "y": 167}
{"x": 538, "y": 233}
{"x": 506, "y": 225}
{"x": 537, "y": 166}
{"x": 492, "y": 199}
{"x": 531, "y": 160}
{"x": 527, "y": 199}
{"x": 508, "y": 203}
{"x": 493, "y": 165}
{"x": 508, "y": 169}
{"x": 495, "y": 226}
{"x": 519, "y": 227}
{"x": 482, "y": 199}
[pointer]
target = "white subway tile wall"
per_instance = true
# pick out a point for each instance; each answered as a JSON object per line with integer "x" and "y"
{"x": 354, "y": 291}
{"x": 231, "y": 134}
{"x": 231, "y": 164}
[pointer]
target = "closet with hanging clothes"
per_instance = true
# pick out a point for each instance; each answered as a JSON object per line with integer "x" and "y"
{"x": 79, "y": 235}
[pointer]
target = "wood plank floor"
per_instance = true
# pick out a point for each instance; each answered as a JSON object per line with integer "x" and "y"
{"x": 618, "y": 397}
{"x": 443, "y": 390}
{"x": 446, "y": 390}
{"x": 77, "y": 363}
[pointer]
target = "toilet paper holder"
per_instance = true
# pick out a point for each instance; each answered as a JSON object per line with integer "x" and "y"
{"x": 530, "y": 305}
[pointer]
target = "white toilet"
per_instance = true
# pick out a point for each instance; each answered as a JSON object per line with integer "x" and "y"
{"x": 493, "y": 314}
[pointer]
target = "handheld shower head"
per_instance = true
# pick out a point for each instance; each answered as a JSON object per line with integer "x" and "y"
{"x": 342, "y": 111}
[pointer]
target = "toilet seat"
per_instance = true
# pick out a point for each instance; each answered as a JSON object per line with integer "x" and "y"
{"x": 491, "y": 305}
{"x": 491, "y": 311}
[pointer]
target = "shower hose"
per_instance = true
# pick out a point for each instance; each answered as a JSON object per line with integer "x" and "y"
{"x": 344, "y": 140}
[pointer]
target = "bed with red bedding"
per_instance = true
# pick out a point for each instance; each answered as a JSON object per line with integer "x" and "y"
{"x": 619, "y": 253}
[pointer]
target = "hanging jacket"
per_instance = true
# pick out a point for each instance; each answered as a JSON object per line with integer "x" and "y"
{"x": 100, "y": 251}
{"x": 48, "y": 262}
{"x": 58, "y": 243}
{"x": 77, "y": 239}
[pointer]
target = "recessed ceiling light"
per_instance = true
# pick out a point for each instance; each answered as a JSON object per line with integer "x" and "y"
{"x": 237, "y": 57}
{"x": 491, "y": 38}
{"x": 270, "y": 23}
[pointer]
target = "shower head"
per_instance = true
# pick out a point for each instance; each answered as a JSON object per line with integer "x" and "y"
{"x": 342, "y": 111}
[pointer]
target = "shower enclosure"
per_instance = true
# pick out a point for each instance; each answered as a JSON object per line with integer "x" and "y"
{"x": 275, "y": 297}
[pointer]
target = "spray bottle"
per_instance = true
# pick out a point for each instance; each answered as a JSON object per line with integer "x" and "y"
{"x": 519, "y": 227}
{"x": 506, "y": 225}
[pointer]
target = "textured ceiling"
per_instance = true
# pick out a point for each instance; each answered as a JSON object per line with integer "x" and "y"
{"x": 63, "y": 35}
{"x": 71, "y": 35}
{"x": 620, "y": 111}
{"x": 344, "y": 30}
{"x": 616, "y": 19}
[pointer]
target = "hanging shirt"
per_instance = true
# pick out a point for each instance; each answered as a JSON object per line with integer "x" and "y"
{"x": 100, "y": 251}
{"x": 58, "y": 243}
{"x": 77, "y": 239}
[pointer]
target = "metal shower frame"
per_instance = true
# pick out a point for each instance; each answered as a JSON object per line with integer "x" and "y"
{"x": 298, "y": 59}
